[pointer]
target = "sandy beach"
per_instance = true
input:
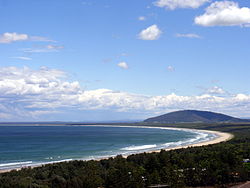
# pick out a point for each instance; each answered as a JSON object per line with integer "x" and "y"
{"x": 220, "y": 137}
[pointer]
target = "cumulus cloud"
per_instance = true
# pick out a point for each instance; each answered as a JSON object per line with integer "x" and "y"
{"x": 123, "y": 65}
{"x": 187, "y": 35}
{"x": 30, "y": 94}
{"x": 127, "y": 102}
{"x": 14, "y": 37}
{"x": 174, "y": 4}
{"x": 150, "y": 33}
{"x": 25, "y": 92}
{"x": 224, "y": 13}
{"x": 24, "y": 81}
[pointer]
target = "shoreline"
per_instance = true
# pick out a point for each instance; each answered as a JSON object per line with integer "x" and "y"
{"x": 220, "y": 137}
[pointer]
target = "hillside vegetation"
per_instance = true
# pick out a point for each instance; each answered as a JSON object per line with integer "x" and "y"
{"x": 194, "y": 116}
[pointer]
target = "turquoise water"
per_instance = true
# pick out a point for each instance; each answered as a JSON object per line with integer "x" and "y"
{"x": 22, "y": 146}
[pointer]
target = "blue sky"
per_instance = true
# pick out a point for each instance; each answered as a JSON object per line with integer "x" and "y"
{"x": 113, "y": 60}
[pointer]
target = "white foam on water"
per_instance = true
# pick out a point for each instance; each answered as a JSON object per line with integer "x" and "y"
{"x": 132, "y": 148}
{"x": 201, "y": 137}
{"x": 26, "y": 164}
{"x": 15, "y": 164}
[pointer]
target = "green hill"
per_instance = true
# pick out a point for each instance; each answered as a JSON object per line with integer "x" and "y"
{"x": 194, "y": 116}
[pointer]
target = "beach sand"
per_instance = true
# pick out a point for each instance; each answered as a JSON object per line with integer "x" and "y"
{"x": 220, "y": 137}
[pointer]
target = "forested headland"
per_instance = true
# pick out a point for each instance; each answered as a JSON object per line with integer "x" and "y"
{"x": 219, "y": 165}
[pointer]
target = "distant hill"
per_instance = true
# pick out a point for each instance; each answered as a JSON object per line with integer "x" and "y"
{"x": 194, "y": 116}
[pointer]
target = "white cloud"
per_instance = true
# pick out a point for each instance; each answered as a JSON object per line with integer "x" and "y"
{"x": 43, "y": 49}
{"x": 174, "y": 4}
{"x": 24, "y": 81}
{"x": 54, "y": 47}
{"x": 4, "y": 116}
{"x": 150, "y": 33}
{"x": 36, "y": 50}
{"x": 141, "y": 18}
{"x": 224, "y": 13}
{"x": 123, "y": 54}
{"x": 215, "y": 90}
{"x": 127, "y": 102}
{"x": 41, "y": 39}
{"x": 170, "y": 68}
{"x": 123, "y": 65}
{"x": 27, "y": 93}
{"x": 247, "y": 25}
{"x": 14, "y": 37}
{"x": 188, "y": 35}
{"x": 23, "y": 58}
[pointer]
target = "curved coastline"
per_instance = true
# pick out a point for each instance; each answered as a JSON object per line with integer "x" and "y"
{"x": 220, "y": 137}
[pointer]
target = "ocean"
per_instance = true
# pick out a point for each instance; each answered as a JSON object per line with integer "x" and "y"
{"x": 23, "y": 146}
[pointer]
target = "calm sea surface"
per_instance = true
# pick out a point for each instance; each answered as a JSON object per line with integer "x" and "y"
{"x": 32, "y": 145}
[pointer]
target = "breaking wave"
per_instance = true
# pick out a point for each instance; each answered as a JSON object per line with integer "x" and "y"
{"x": 132, "y": 148}
{"x": 25, "y": 164}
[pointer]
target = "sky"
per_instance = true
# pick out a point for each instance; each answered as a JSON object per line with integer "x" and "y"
{"x": 91, "y": 60}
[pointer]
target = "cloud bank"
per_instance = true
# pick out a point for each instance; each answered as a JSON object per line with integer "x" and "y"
{"x": 32, "y": 94}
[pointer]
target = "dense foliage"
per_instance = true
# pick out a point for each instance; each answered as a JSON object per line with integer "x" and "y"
{"x": 218, "y": 164}
{"x": 191, "y": 116}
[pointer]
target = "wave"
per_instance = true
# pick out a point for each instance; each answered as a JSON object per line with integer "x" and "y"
{"x": 15, "y": 164}
{"x": 51, "y": 162}
{"x": 132, "y": 148}
{"x": 201, "y": 137}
